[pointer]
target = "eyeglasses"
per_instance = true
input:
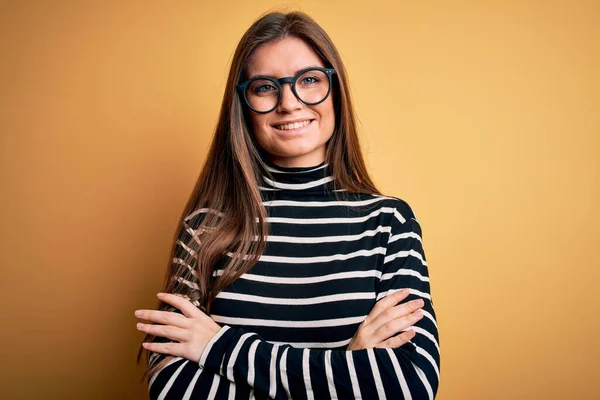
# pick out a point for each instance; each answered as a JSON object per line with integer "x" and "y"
{"x": 263, "y": 94}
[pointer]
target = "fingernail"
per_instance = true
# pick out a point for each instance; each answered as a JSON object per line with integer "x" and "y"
{"x": 160, "y": 295}
{"x": 139, "y": 325}
{"x": 418, "y": 313}
{"x": 138, "y": 313}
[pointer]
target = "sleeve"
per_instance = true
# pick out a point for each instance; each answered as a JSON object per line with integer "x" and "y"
{"x": 410, "y": 371}
{"x": 183, "y": 283}
{"x": 181, "y": 378}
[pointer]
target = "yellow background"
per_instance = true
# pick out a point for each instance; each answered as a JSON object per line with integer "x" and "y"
{"x": 483, "y": 115}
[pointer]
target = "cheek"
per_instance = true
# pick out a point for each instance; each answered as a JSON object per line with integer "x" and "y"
{"x": 259, "y": 126}
{"x": 327, "y": 116}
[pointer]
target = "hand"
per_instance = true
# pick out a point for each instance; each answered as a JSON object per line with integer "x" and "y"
{"x": 385, "y": 320}
{"x": 193, "y": 330}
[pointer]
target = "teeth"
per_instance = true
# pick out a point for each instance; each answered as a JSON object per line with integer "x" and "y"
{"x": 295, "y": 125}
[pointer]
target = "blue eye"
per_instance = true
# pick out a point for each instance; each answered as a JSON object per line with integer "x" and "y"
{"x": 312, "y": 79}
{"x": 264, "y": 89}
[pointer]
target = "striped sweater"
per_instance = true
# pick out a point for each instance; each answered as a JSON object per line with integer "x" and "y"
{"x": 285, "y": 324}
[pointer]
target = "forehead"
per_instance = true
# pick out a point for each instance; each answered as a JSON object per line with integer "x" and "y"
{"x": 282, "y": 58}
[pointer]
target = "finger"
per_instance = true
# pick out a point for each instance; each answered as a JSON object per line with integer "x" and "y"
{"x": 390, "y": 328}
{"x": 183, "y": 304}
{"x": 387, "y": 302}
{"x": 172, "y": 348}
{"x": 395, "y": 312}
{"x": 164, "y": 317}
{"x": 166, "y": 331}
{"x": 398, "y": 340}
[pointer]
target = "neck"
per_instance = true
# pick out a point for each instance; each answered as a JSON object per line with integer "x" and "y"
{"x": 311, "y": 180}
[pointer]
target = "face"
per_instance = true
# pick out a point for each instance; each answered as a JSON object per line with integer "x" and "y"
{"x": 305, "y": 146}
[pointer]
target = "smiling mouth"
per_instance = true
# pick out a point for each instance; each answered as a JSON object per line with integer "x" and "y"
{"x": 295, "y": 125}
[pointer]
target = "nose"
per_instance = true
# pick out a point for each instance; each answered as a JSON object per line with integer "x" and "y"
{"x": 289, "y": 101}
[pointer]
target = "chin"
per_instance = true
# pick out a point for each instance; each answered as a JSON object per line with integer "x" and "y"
{"x": 295, "y": 152}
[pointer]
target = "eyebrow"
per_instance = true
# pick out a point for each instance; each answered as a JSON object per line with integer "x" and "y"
{"x": 295, "y": 72}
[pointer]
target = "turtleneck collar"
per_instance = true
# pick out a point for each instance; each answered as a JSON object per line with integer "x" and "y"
{"x": 313, "y": 180}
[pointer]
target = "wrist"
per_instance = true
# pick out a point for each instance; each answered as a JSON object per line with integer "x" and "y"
{"x": 210, "y": 356}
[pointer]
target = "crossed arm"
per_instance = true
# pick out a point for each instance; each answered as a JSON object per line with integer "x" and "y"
{"x": 281, "y": 371}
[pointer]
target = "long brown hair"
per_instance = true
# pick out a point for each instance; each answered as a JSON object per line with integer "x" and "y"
{"x": 227, "y": 190}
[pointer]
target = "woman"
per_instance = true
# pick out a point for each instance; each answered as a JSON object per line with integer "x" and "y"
{"x": 287, "y": 269}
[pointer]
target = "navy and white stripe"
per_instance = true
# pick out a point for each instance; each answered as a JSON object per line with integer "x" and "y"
{"x": 286, "y": 323}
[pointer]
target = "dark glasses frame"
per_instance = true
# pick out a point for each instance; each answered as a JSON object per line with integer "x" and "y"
{"x": 241, "y": 87}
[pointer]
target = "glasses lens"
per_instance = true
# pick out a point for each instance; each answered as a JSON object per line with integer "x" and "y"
{"x": 262, "y": 94}
{"x": 312, "y": 86}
